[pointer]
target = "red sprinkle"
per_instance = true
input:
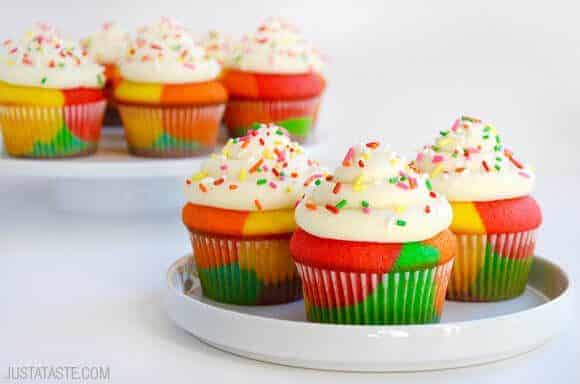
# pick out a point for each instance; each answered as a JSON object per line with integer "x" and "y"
{"x": 485, "y": 166}
{"x": 188, "y": 182}
{"x": 427, "y": 209}
{"x": 361, "y": 163}
{"x": 373, "y": 144}
{"x": 262, "y": 142}
{"x": 329, "y": 178}
{"x": 331, "y": 208}
{"x": 336, "y": 188}
{"x": 432, "y": 194}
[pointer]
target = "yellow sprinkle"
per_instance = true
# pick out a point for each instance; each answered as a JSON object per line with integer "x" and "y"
{"x": 359, "y": 187}
{"x": 225, "y": 152}
{"x": 400, "y": 209}
{"x": 200, "y": 175}
{"x": 443, "y": 142}
{"x": 394, "y": 161}
{"x": 365, "y": 155}
{"x": 267, "y": 154}
{"x": 436, "y": 171}
{"x": 288, "y": 189}
{"x": 243, "y": 174}
{"x": 277, "y": 142}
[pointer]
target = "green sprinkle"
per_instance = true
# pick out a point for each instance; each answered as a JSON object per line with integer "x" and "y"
{"x": 454, "y": 154}
{"x": 100, "y": 79}
{"x": 392, "y": 180}
{"x": 364, "y": 203}
{"x": 261, "y": 181}
{"x": 43, "y": 81}
{"x": 467, "y": 118}
{"x": 235, "y": 140}
{"x": 497, "y": 167}
{"x": 401, "y": 223}
{"x": 487, "y": 128}
{"x": 435, "y": 148}
{"x": 317, "y": 182}
{"x": 341, "y": 204}
{"x": 256, "y": 126}
{"x": 403, "y": 178}
{"x": 498, "y": 159}
{"x": 444, "y": 133}
{"x": 497, "y": 148}
{"x": 485, "y": 137}
{"x": 279, "y": 132}
{"x": 498, "y": 139}
{"x": 428, "y": 184}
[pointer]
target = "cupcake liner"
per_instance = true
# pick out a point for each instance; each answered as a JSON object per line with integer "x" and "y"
{"x": 411, "y": 297}
{"x": 171, "y": 131}
{"x": 491, "y": 267}
{"x": 246, "y": 271}
{"x": 297, "y": 116}
{"x": 51, "y": 132}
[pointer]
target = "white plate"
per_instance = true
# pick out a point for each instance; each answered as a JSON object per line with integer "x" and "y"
{"x": 469, "y": 333}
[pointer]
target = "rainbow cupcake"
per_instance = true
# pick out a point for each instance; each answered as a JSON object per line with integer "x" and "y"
{"x": 494, "y": 216}
{"x": 51, "y": 98}
{"x": 170, "y": 101}
{"x": 273, "y": 76}
{"x": 373, "y": 245}
{"x": 240, "y": 215}
{"x": 105, "y": 47}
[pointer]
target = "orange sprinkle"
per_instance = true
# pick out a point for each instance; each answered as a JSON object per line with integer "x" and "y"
{"x": 311, "y": 206}
{"x": 347, "y": 163}
{"x": 202, "y": 187}
{"x": 294, "y": 175}
{"x": 255, "y": 167}
{"x": 336, "y": 188}
{"x": 219, "y": 181}
{"x": 188, "y": 182}
{"x": 373, "y": 145}
{"x": 233, "y": 187}
{"x": 258, "y": 204}
{"x": 459, "y": 170}
{"x": 245, "y": 143}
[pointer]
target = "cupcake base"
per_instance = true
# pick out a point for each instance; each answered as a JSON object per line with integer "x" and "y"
{"x": 246, "y": 271}
{"x": 491, "y": 267}
{"x": 298, "y": 117}
{"x": 184, "y": 131}
{"x": 410, "y": 297}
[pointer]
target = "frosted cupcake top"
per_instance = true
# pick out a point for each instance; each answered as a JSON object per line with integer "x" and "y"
{"x": 264, "y": 170}
{"x": 276, "y": 47}
{"x": 469, "y": 163}
{"x": 43, "y": 59}
{"x": 217, "y": 45}
{"x": 374, "y": 196}
{"x": 166, "y": 52}
{"x": 108, "y": 44}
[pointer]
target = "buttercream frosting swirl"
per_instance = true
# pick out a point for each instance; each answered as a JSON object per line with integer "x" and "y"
{"x": 375, "y": 197}
{"x": 108, "y": 44}
{"x": 264, "y": 170}
{"x": 217, "y": 45}
{"x": 469, "y": 163}
{"x": 276, "y": 47}
{"x": 44, "y": 59}
{"x": 166, "y": 52}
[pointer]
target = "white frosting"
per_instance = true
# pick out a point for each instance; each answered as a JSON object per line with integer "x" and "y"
{"x": 216, "y": 45}
{"x": 469, "y": 163}
{"x": 374, "y": 197}
{"x": 107, "y": 45}
{"x": 261, "y": 171}
{"x": 43, "y": 59}
{"x": 166, "y": 53}
{"x": 276, "y": 47}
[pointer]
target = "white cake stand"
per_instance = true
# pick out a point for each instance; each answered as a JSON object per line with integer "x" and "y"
{"x": 110, "y": 181}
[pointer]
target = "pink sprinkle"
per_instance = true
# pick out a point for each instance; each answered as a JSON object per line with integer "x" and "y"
{"x": 455, "y": 125}
{"x": 272, "y": 185}
{"x": 524, "y": 174}
{"x": 349, "y": 155}
{"x": 437, "y": 159}
{"x": 189, "y": 66}
{"x": 420, "y": 157}
{"x": 224, "y": 167}
{"x": 402, "y": 185}
{"x": 366, "y": 210}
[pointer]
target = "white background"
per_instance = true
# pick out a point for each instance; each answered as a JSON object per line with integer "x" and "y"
{"x": 88, "y": 289}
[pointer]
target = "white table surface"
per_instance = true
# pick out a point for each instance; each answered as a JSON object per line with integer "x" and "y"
{"x": 88, "y": 290}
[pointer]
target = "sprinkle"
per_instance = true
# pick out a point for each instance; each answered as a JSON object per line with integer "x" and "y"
{"x": 262, "y": 142}
{"x": 272, "y": 185}
{"x": 372, "y": 145}
{"x": 455, "y": 125}
{"x": 366, "y": 210}
{"x": 293, "y": 175}
{"x": 100, "y": 80}
{"x": 341, "y": 204}
{"x": 364, "y": 203}
{"x": 459, "y": 170}
{"x": 436, "y": 171}
{"x": 224, "y": 167}
{"x": 420, "y": 157}
{"x": 202, "y": 187}
{"x": 524, "y": 174}
{"x": 515, "y": 162}
{"x": 497, "y": 167}
{"x": 331, "y": 208}
{"x": 288, "y": 189}
{"x": 336, "y": 188}
{"x": 258, "y": 204}
{"x": 432, "y": 195}
{"x": 261, "y": 181}
{"x": 428, "y": 184}
{"x": 402, "y": 185}
{"x": 329, "y": 178}
{"x": 245, "y": 143}
{"x": 400, "y": 209}
{"x": 437, "y": 159}
{"x": 43, "y": 80}
{"x": 257, "y": 165}
{"x": 233, "y": 187}
{"x": 412, "y": 182}
{"x": 200, "y": 175}
{"x": 470, "y": 119}
{"x": 485, "y": 166}
{"x": 311, "y": 206}
{"x": 188, "y": 182}
{"x": 347, "y": 162}
{"x": 444, "y": 133}
{"x": 317, "y": 182}
{"x": 358, "y": 187}
{"x": 243, "y": 174}
{"x": 427, "y": 209}
{"x": 393, "y": 180}
{"x": 401, "y": 223}
{"x": 279, "y": 132}
{"x": 218, "y": 181}
{"x": 279, "y": 154}
{"x": 361, "y": 163}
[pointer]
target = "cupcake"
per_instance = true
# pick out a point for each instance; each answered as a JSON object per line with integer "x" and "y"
{"x": 494, "y": 217}
{"x": 273, "y": 76}
{"x": 169, "y": 99}
{"x": 51, "y": 97}
{"x": 105, "y": 47}
{"x": 216, "y": 45}
{"x": 373, "y": 244}
{"x": 240, "y": 215}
